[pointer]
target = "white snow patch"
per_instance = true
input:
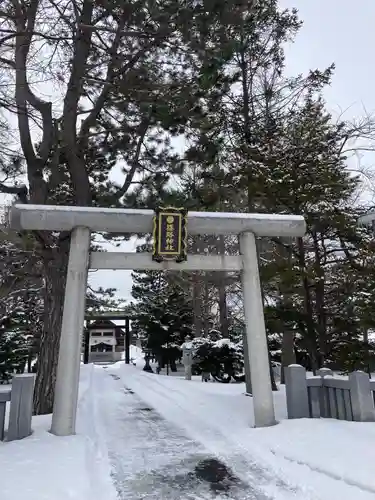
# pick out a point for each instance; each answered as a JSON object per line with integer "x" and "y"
{"x": 42, "y": 467}
{"x": 46, "y": 467}
{"x": 223, "y": 342}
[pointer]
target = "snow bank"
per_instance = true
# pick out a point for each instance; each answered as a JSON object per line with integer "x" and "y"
{"x": 46, "y": 467}
{"x": 42, "y": 466}
{"x": 335, "y": 449}
{"x": 136, "y": 353}
{"x": 296, "y": 460}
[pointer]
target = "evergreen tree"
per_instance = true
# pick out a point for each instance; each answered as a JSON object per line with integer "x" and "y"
{"x": 271, "y": 146}
{"x": 162, "y": 314}
{"x": 314, "y": 280}
{"x": 21, "y": 310}
{"x": 13, "y": 354}
{"x": 22, "y": 302}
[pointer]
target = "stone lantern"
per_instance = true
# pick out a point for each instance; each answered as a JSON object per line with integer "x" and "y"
{"x": 187, "y": 356}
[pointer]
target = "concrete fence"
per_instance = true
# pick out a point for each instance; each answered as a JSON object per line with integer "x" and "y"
{"x": 329, "y": 397}
{"x": 20, "y": 398}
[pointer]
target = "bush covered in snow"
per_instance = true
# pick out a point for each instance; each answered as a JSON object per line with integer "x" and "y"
{"x": 222, "y": 358}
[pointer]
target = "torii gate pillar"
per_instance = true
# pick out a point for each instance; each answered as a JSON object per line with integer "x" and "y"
{"x": 264, "y": 413}
{"x": 67, "y": 379}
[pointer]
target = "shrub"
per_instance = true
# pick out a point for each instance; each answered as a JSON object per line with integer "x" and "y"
{"x": 222, "y": 358}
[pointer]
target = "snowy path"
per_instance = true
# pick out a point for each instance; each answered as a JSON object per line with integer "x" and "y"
{"x": 206, "y": 419}
{"x": 180, "y": 409}
{"x": 151, "y": 458}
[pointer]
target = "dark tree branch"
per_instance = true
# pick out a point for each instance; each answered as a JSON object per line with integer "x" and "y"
{"x": 8, "y": 62}
{"x": 20, "y": 191}
{"x": 89, "y": 121}
{"x": 76, "y": 165}
{"x": 113, "y": 72}
{"x": 135, "y": 162}
{"x": 25, "y": 22}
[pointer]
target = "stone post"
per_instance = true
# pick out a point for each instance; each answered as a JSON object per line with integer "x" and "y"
{"x": 297, "y": 400}
{"x": 324, "y": 372}
{"x": 187, "y": 360}
{"x": 21, "y": 406}
{"x": 361, "y": 397}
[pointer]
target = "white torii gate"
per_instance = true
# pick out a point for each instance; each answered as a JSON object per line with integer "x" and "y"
{"x": 84, "y": 220}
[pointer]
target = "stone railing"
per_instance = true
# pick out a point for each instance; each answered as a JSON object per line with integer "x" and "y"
{"x": 20, "y": 398}
{"x": 329, "y": 397}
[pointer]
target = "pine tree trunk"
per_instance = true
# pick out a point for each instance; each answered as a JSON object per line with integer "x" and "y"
{"x": 320, "y": 303}
{"x": 365, "y": 335}
{"x": 222, "y": 292}
{"x": 367, "y": 350}
{"x": 197, "y": 293}
{"x": 197, "y": 305}
{"x": 55, "y": 265}
{"x": 223, "y": 309}
{"x": 288, "y": 355}
{"x": 310, "y": 323}
{"x": 206, "y": 306}
{"x": 173, "y": 366}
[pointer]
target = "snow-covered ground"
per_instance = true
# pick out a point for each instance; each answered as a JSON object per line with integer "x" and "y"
{"x": 319, "y": 459}
{"x": 143, "y": 436}
{"x": 46, "y": 467}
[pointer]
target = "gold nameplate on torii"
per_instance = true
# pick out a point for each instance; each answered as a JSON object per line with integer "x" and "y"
{"x": 170, "y": 234}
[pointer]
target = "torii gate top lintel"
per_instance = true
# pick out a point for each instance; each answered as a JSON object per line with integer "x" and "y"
{"x": 66, "y": 218}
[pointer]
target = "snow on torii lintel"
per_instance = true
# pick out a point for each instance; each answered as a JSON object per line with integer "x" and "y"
{"x": 65, "y": 218}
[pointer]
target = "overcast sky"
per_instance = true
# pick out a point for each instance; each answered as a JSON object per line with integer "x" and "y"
{"x": 339, "y": 31}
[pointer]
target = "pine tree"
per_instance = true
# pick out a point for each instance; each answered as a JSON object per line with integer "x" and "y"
{"x": 162, "y": 314}
{"x": 20, "y": 328}
{"x": 21, "y": 305}
{"x": 13, "y": 354}
{"x": 270, "y": 146}
{"x": 314, "y": 280}
{"x": 211, "y": 73}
